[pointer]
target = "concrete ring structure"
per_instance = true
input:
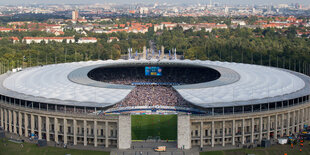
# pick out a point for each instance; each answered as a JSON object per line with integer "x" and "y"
{"x": 246, "y": 104}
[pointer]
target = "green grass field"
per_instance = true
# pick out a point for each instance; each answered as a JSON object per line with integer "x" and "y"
{"x": 9, "y": 148}
{"x": 164, "y": 126}
{"x": 274, "y": 150}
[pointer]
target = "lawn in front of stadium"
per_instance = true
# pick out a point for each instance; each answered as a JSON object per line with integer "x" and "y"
{"x": 164, "y": 126}
{"x": 10, "y": 148}
{"x": 273, "y": 150}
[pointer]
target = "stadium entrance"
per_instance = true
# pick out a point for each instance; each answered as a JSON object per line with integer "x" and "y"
{"x": 154, "y": 130}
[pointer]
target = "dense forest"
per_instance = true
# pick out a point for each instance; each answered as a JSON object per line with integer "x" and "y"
{"x": 274, "y": 47}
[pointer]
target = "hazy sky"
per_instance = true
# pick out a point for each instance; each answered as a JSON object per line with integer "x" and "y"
{"x": 304, "y": 2}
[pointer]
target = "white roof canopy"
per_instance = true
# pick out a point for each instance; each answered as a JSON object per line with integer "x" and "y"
{"x": 254, "y": 82}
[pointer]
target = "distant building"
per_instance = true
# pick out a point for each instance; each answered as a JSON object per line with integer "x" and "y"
{"x": 144, "y": 10}
{"x": 226, "y": 10}
{"x": 57, "y": 33}
{"x": 78, "y": 28}
{"x": 158, "y": 27}
{"x": 19, "y": 23}
{"x": 13, "y": 39}
{"x": 168, "y": 25}
{"x": 283, "y": 6}
{"x": 132, "y": 11}
{"x": 6, "y": 29}
{"x": 21, "y": 30}
{"x": 82, "y": 20}
{"x": 75, "y": 15}
{"x": 100, "y": 31}
{"x": 112, "y": 38}
{"x": 29, "y": 40}
{"x": 238, "y": 22}
{"x": 87, "y": 40}
{"x": 253, "y": 10}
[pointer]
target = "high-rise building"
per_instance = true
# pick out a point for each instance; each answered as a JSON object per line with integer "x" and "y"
{"x": 75, "y": 15}
{"x": 253, "y": 10}
{"x": 144, "y": 10}
{"x": 226, "y": 10}
{"x": 210, "y": 4}
{"x": 297, "y": 6}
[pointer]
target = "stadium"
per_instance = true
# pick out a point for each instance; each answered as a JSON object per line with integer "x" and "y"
{"x": 95, "y": 102}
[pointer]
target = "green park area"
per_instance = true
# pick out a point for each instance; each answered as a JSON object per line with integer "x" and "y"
{"x": 273, "y": 150}
{"x": 10, "y": 148}
{"x": 164, "y": 126}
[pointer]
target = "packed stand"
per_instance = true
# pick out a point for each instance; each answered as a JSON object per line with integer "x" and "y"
{"x": 130, "y": 75}
{"x": 153, "y": 96}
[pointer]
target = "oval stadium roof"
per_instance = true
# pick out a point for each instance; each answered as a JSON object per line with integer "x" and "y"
{"x": 239, "y": 84}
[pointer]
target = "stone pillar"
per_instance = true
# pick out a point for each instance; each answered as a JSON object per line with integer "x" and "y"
{"x": 184, "y": 132}
{"x": 85, "y": 133}
{"x": 306, "y": 116}
{"x": 20, "y": 124}
{"x": 298, "y": 121}
{"x": 124, "y": 132}
{"x": 260, "y": 129}
{"x": 212, "y": 134}
{"x": 294, "y": 122}
{"x": 14, "y": 122}
{"x": 233, "y": 131}
{"x": 144, "y": 53}
{"x": 106, "y": 134}
{"x": 201, "y": 134}
{"x": 268, "y": 128}
{"x": 252, "y": 130}
{"x": 5, "y": 120}
{"x": 10, "y": 120}
{"x": 74, "y": 132}
{"x": 56, "y": 129}
{"x": 275, "y": 134}
{"x": 95, "y": 134}
{"x": 47, "y": 127}
{"x": 288, "y": 124}
{"x": 242, "y": 130}
{"x": 65, "y": 131}
{"x": 26, "y": 124}
{"x": 302, "y": 118}
{"x": 32, "y": 125}
{"x": 223, "y": 133}
{"x": 1, "y": 117}
{"x": 282, "y": 125}
{"x": 40, "y": 127}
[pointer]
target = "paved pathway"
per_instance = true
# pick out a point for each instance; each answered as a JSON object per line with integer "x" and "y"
{"x": 152, "y": 152}
{"x": 147, "y": 148}
{"x": 138, "y": 148}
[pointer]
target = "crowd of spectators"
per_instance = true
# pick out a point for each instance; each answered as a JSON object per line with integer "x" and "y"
{"x": 149, "y": 94}
{"x": 153, "y": 95}
{"x": 130, "y": 75}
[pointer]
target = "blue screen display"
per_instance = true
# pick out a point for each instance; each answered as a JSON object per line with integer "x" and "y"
{"x": 153, "y": 71}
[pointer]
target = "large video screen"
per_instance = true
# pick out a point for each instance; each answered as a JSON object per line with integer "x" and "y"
{"x": 153, "y": 71}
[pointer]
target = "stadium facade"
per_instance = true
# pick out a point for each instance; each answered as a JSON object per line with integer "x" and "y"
{"x": 243, "y": 105}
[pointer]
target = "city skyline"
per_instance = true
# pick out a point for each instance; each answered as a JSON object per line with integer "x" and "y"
{"x": 241, "y": 2}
